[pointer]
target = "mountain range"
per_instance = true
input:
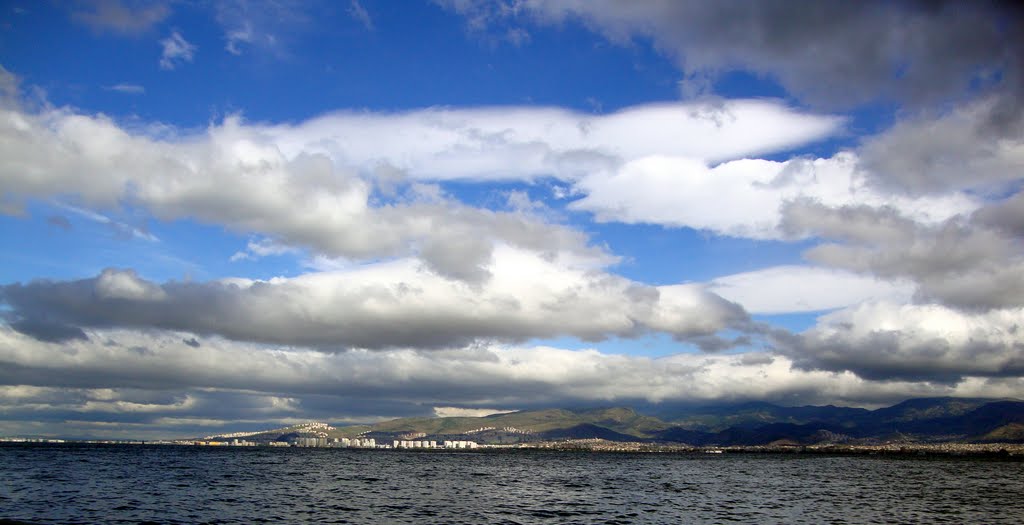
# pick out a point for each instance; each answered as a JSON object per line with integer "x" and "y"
{"x": 925, "y": 420}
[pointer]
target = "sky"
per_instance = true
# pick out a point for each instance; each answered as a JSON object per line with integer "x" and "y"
{"x": 222, "y": 216}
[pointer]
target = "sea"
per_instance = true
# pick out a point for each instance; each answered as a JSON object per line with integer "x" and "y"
{"x": 120, "y": 484}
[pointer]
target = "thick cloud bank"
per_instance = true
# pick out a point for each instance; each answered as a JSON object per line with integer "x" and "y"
{"x": 401, "y": 303}
{"x": 362, "y": 185}
{"x": 914, "y": 343}
{"x": 154, "y": 382}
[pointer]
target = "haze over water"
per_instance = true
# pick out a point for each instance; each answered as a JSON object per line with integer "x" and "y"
{"x": 133, "y": 484}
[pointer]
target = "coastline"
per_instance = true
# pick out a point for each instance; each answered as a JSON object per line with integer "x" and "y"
{"x": 995, "y": 450}
{"x": 1014, "y": 451}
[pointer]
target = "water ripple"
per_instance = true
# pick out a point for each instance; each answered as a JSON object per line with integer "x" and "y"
{"x": 168, "y": 485}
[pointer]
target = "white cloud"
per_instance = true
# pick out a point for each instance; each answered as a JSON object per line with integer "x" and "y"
{"x": 239, "y": 34}
{"x": 118, "y": 227}
{"x": 358, "y": 12}
{"x": 790, "y": 289}
{"x": 515, "y": 143}
{"x": 258, "y": 248}
{"x": 305, "y": 200}
{"x": 401, "y": 303}
{"x": 265, "y": 27}
{"x": 467, "y": 412}
{"x": 128, "y": 89}
{"x": 884, "y": 340}
{"x": 312, "y": 185}
{"x": 113, "y": 284}
{"x": 743, "y": 198}
{"x": 176, "y": 50}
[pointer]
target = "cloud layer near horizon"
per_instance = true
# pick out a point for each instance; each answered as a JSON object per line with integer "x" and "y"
{"x": 153, "y": 379}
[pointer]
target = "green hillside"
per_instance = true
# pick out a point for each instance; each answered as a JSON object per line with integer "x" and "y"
{"x": 622, "y": 420}
{"x": 1010, "y": 432}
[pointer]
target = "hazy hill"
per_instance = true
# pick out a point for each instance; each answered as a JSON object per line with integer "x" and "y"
{"x": 929, "y": 408}
{"x": 928, "y": 419}
{"x": 755, "y": 414}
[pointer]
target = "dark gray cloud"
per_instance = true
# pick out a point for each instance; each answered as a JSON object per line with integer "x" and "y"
{"x": 884, "y": 341}
{"x": 969, "y": 277}
{"x": 957, "y": 262}
{"x": 826, "y": 52}
{"x": 1006, "y": 215}
{"x": 711, "y": 343}
{"x": 975, "y": 147}
{"x": 44, "y": 329}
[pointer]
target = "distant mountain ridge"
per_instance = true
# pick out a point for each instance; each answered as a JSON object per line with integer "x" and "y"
{"x": 940, "y": 419}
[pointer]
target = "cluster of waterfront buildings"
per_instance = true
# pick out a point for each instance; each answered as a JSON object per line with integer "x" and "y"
{"x": 507, "y": 430}
{"x": 420, "y": 443}
{"x": 321, "y": 442}
{"x": 334, "y": 442}
{"x": 29, "y": 440}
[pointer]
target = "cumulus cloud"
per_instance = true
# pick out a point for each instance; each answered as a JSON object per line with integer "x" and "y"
{"x": 126, "y": 285}
{"x": 402, "y": 303}
{"x": 304, "y": 200}
{"x": 314, "y": 185}
{"x": 955, "y": 262}
{"x": 958, "y": 150}
{"x": 176, "y": 50}
{"x": 1006, "y": 215}
{"x": 882, "y": 340}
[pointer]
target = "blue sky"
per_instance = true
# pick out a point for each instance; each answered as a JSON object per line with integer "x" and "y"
{"x": 401, "y": 207}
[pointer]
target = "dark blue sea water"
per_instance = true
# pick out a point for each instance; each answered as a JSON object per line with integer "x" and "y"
{"x": 171, "y": 484}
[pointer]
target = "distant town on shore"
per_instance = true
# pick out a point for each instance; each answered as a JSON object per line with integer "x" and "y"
{"x": 935, "y": 425}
